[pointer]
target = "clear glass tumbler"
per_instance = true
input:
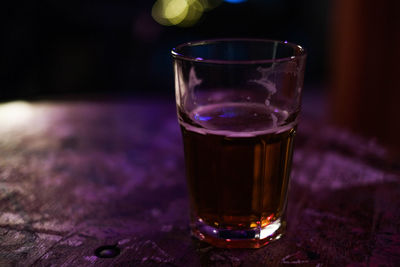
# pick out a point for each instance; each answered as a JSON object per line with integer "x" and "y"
{"x": 237, "y": 102}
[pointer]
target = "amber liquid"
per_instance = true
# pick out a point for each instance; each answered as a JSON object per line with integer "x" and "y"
{"x": 238, "y": 160}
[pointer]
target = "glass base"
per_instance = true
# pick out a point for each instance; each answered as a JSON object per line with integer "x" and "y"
{"x": 243, "y": 238}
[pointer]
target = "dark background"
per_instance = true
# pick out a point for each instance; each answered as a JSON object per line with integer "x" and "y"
{"x": 58, "y": 48}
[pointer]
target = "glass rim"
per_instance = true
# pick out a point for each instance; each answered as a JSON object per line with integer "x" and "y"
{"x": 300, "y": 51}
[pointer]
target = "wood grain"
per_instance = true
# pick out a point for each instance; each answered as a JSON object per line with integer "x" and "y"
{"x": 75, "y": 176}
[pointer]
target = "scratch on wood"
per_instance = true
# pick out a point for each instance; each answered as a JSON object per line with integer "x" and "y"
{"x": 123, "y": 241}
{"x": 293, "y": 259}
{"x": 11, "y": 219}
{"x": 51, "y": 247}
{"x": 328, "y": 215}
{"x": 74, "y": 241}
{"x": 49, "y": 237}
{"x": 90, "y": 259}
{"x": 158, "y": 255}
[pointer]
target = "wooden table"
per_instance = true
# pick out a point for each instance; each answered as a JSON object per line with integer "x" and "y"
{"x": 78, "y": 176}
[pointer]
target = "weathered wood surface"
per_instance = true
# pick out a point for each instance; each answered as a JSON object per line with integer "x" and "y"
{"x": 75, "y": 176}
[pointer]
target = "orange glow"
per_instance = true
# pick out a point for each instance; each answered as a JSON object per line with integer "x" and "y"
{"x": 267, "y": 220}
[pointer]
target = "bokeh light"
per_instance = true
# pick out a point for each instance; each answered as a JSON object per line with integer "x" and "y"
{"x": 15, "y": 114}
{"x": 183, "y": 13}
{"x": 235, "y": 1}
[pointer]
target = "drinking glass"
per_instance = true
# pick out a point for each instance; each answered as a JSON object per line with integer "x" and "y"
{"x": 237, "y": 102}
